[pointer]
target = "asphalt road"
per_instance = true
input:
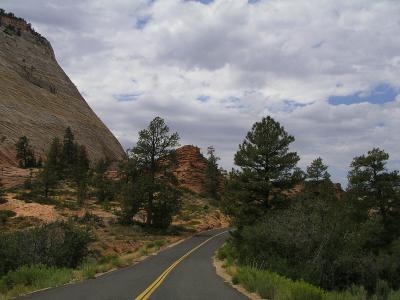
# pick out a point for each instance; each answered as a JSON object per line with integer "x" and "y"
{"x": 192, "y": 278}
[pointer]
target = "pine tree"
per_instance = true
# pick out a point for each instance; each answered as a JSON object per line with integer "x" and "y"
{"x": 103, "y": 186}
{"x": 212, "y": 183}
{"x": 25, "y": 153}
{"x": 317, "y": 171}
{"x": 54, "y": 157}
{"x": 69, "y": 148}
{"x": 47, "y": 179}
{"x": 375, "y": 190}
{"x": 155, "y": 145}
{"x": 266, "y": 167}
{"x": 80, "y": 171}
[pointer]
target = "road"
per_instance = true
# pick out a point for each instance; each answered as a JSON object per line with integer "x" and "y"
{"x": 182, "y": 272}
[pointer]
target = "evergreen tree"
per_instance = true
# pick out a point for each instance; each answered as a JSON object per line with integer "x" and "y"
{"x": 134, "y": 186}
{"x": 54, "y": 157}
{"x": 212, "y": 183}
{"x": 317, "y": 171}
{"x": 103, "y": 186}
{"x": 25, "y": 153}
{"x": 69, "y": 148}
{"x": 155, "y": 145}
{"x": 266, "y": 168}
{"x": 47, "y": 179}
{"x": 80, "y": 171}
{"x": 375, "y": 191}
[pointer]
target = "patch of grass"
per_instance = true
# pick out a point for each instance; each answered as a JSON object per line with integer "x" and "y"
{"x": 30, "y": 278}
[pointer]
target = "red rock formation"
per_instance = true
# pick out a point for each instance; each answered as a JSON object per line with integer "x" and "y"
{"x": 190, "y": 168}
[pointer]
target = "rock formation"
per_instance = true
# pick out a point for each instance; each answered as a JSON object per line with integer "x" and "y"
{"x": 191, "y": 168}
{"x": 37, "y": 99}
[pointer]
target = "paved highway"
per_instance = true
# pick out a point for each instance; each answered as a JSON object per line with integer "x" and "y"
{"x": 182, "y": 272}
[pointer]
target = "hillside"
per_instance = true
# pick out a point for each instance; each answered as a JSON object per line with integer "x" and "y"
{"x": 37, "y": 99}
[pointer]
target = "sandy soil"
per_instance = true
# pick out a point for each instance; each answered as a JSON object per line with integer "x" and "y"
{"x": 45, "y": 213}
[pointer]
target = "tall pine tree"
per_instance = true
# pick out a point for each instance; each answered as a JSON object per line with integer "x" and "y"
{"x": 154, "y": 147}
{"x": 213, "y": 176}
{"x": 25, "y": 153}
{"x": 375, "y": 191}
{"x": 266, "y": 168}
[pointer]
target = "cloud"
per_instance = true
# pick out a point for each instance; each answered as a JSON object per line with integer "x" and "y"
{"x": 212, "y": 68}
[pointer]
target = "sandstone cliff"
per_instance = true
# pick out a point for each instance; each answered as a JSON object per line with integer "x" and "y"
{"x": 37, "y": 99}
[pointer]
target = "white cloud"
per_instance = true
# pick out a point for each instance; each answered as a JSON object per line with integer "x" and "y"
{"x": 248, "y": 59}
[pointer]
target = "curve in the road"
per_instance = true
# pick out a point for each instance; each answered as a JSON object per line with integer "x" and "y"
{"x": 150, "y": 290}
{"x": 193, "y": 278}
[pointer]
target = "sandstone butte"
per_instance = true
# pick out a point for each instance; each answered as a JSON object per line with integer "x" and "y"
{"x": 190, "y": 168}
{"x": 37, "y": 99}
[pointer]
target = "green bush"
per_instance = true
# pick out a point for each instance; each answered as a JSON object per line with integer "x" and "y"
{"x": 30, "y": 278}
{"x": 57, "y": 244}
{"x": 6, "y": 214}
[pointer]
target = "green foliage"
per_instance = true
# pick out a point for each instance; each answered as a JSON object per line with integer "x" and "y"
{"x": 266, "y": 167}
{"x": 31, "y": 278}
{"x": 25, "y": 153}
{"x": 56, "y": 244}
{"x": 80, "y": 173}
{"x": 271, "y": 285}
{"x": 102, "y": 185}
{"x": 6, "y": 214}
{"x": 68, "y": 149}
{"x": 146, "y": 180}
{"x": 47, "y": 180}
{"x": 10, "y": 30}
{"x": 372, "y": 188}
{"x": 67, "y": 160}
{"x": 317, "y": 171}
{"x": 212, "y": 183}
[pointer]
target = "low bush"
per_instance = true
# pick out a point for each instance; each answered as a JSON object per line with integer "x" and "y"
{"x": 30, "y": 278}
{"x": 6, "y": 214}
{"x": 57, "y": 244}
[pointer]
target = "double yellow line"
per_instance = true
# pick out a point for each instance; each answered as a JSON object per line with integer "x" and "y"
{"x": 152, "y": 287}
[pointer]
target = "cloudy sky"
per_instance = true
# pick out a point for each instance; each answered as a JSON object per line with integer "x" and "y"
{"x": 329, "y": 71}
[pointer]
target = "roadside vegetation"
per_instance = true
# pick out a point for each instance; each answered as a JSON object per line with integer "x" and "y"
{"x": 302, "y": 233}
{"x": 101, "y": 215}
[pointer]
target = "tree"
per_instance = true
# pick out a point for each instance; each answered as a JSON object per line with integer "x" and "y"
{"x": 47, "y": 179}
{"x": 212, "y": 183}
{"x": 155, "y": 145}
{"x": 375, "y": 190}
{"x": 102, "y": 185}
{"x": 25, "y": 153}
{"x": 54, "y": 157}
{"x": 134, "y": 186}
{"x": 80, "y": 170}
{"x": 266, "y": 168}
{"x": 69, "y": 148}
{"x": 317, "y": 171}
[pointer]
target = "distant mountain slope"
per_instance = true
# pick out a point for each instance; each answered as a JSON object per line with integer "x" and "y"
{"x": 37, "y": 99}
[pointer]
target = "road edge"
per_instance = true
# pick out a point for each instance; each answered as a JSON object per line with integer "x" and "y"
{"x": 221, "y": 272}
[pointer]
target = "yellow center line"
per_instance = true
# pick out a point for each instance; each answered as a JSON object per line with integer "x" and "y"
{"x": 156, "y": 283}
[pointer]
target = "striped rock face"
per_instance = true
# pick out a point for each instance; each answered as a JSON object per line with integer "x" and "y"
{"x": 38, "y": 100}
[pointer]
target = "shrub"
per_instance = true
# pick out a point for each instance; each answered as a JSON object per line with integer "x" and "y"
{"x": 6, "y": 214}
{"x": 57, "y": 244}
{"x": 30, "y": 278}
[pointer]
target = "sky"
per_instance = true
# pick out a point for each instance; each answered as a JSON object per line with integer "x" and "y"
{"x": 328, "y": 71}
